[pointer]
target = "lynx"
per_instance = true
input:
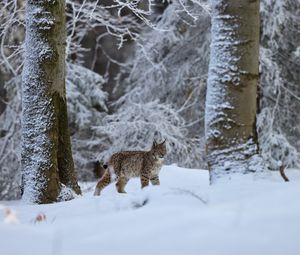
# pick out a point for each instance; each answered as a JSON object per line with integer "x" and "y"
{"x": 128, "y": 164}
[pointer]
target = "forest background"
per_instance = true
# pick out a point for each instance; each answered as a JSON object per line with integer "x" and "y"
{"x": 138, "y": 72}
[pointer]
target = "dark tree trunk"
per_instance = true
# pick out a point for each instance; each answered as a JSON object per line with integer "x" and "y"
{"x": 47, "y": 161}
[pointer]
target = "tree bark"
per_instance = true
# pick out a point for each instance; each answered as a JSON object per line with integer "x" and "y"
{"x": 231, "y": 99}
{"x": 47, "y": 161}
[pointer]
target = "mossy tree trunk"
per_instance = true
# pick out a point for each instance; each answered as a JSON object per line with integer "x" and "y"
{"x": 47, "y": 163}
{"x": 231, "y": 100}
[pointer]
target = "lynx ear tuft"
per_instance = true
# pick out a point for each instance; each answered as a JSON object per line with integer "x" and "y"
{"x": 154, "y": 143}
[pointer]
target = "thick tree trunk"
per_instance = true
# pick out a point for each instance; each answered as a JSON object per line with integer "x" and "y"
{"x": 230, "y": 118}
{"x": 47, "y": 161}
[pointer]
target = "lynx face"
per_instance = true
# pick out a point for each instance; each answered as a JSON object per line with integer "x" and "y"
{"x": 159, "y": 150}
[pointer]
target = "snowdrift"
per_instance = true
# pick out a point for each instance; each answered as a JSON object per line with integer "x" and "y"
{"x": 183, "y": 216}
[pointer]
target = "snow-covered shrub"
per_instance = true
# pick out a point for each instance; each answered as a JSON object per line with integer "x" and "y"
{"x": 274, "y": 145}
{"x": 136, "y": 126}
{"x": 86, "y": 109}
{"x": 279, "y": 120}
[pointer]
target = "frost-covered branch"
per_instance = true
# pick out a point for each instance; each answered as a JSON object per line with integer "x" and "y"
{"x": 11, "y": 35}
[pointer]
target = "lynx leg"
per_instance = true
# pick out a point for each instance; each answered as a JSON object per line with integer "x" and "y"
{"x": 121, "y": 183}
{"x": 155, "y": 180}
{"x": 144, "y": 181}
{"x": 104, "y": 181}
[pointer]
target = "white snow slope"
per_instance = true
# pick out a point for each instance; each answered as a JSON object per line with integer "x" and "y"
{"x": 183, "y": 216}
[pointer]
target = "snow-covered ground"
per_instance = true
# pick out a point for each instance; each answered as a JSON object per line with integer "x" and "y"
{"x": 183, "y": 216}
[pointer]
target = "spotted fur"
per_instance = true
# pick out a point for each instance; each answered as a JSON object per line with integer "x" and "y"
{"x": 125, "y": 165}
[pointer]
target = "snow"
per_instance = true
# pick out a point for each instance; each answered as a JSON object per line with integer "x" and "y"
{"x": 182, "y": 216}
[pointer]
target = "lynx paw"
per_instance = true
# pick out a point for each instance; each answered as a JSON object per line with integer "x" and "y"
{"x": 97, "y": 192}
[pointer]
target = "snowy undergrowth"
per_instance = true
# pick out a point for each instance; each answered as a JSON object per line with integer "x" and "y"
{"x": 182, "y": 216}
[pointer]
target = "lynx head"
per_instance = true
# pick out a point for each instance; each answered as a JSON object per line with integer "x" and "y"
{"x": 159, "y": 150}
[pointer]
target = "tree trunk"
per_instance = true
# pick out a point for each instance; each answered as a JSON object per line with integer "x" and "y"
{"x": 47, "y": 161}
{"x": 231, "y": 101}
